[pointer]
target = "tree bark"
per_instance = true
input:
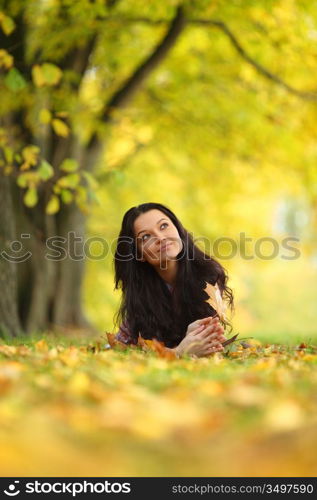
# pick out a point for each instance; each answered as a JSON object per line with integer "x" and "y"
{"x": 9, "y": 317}
{"x": 49, "y": 285}
{"x": 67, "y": 306}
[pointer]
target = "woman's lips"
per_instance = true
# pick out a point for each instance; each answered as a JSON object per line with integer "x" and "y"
{"x": 163, "y": 247}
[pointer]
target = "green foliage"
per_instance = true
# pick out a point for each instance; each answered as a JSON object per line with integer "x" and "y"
{"x": 203, "y": 85}
{"x": 46, "y": 74}
{"x": 14, "y": 80}
{"x": 69, "y": 181}
{"x": 45, "y": 171}
{"x": 69, "y": 165}
{"x": 66, "y": 196}
{"x": 207, "y": 133}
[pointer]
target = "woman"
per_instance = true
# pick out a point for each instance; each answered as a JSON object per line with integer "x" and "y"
{"x": 163, "y": 274}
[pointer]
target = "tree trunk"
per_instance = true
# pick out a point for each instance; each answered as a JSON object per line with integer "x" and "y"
{"x": 67, "y": 305}
{"x": 49, "y": 277}
{"x": 9, "y": 318}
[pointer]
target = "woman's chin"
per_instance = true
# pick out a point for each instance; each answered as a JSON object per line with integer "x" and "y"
{"x": 172, "y": 250}
{"x": 172, "y": 255}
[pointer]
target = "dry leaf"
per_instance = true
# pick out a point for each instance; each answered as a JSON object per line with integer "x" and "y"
{"x": 229, "y": 341}
{"x": 162, "y": 350}
{"x": 215, "y": 300}
{"x": 114, "y": 342}
{"x": 156, "y": 346}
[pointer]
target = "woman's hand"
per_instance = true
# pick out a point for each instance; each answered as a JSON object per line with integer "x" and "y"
{"x": 209, "y": 321}
{"x": 202, "y": 339}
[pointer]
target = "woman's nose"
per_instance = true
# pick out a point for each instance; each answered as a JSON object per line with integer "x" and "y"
{"x": 161, "y": 241}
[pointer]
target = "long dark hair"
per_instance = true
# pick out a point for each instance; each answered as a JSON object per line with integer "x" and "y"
{"x": 148, "y": 306}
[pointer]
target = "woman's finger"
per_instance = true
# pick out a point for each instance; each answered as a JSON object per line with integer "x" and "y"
{"x": 211, "y": 337}
{"x": 208, "y": 320}
{"x": 208, "y": 327}
{"x": 213, "y": 342}
{"x": 219, "y": 329}
{"x": 207, "y": 331}
{"x": 196, "y": 323}
{"x": 214, "y": 349}
{"x": 198, "y": 330}
{"x": 211, "y": 350}
{"x": 211, "y": 329}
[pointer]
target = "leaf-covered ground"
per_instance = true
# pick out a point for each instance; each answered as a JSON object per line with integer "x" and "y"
{"x": 79, "y": 409}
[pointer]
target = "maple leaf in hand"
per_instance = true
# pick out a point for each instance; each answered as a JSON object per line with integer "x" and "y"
{"x": 216, "y": 301}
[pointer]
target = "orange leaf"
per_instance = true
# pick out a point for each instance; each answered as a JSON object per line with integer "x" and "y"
{"x": 113, "y": 342}
{"x": 111, "y": 339}
{"x": 162, "y": 350}
{"x": 146, "y": 344}
{"x": 157, "y": 347}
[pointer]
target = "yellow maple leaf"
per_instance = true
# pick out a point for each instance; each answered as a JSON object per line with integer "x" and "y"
{"x": 215, "y": 300}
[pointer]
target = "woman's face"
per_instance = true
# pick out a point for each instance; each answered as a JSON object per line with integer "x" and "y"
{"x": 157, "y": 237}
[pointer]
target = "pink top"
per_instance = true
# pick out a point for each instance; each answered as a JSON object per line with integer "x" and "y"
{"x": 124, "y": 335}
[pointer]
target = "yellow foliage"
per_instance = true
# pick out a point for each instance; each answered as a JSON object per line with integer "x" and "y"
{"x": 45, "y": 116}
{"x": 6, "y": 60}
{"x": 163, "y": 409}
{"x": 60, "y": 127}
{"x": 53, "y": 205}
{"x": 41, "y": 346}
{"x": 284, "y": 415}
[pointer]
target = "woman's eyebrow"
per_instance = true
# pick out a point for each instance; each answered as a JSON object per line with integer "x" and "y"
{"x": 163, "y": 218}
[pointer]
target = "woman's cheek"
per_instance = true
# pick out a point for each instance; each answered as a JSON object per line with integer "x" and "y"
{"x": 180, "y": 245}
{"x": 150, "y": 254}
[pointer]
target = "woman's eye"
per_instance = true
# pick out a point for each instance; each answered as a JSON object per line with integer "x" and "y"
{"x": 144, "y": 235}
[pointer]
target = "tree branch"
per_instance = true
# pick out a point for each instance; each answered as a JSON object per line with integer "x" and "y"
{"x": 76, "y": 60}
{"x": 311, "y": 96}
{"x": 307, "y": 95}
{"x": 125, "y": 93}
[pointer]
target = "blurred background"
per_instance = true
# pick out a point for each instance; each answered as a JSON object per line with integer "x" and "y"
{"x": 209, "y": 109}
{"x": 228, "y": 148}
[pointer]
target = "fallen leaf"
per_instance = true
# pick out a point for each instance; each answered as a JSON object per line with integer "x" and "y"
{"x": 157, "y": 347}
{"x": 113, "y": 342}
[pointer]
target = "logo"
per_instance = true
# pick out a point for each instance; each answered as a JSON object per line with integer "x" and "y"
{"x": 12, "y": 492}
